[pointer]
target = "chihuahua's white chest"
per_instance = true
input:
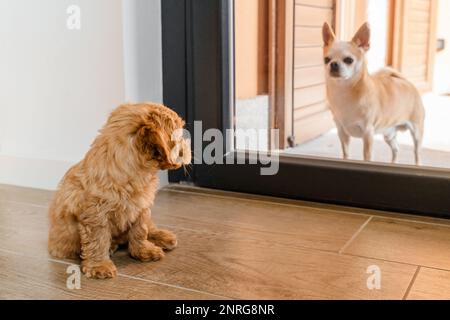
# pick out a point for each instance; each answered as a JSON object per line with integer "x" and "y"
{"x": 350, "y": 118}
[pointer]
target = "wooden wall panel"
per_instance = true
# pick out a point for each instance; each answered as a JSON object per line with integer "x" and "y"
{"x": 317, "y": 3}
{"x": 313, "y": 126}
{"x": 307, "y": 57}
{"x": 251, "y": 48}
{"x": 310, "y": 16}
{"x": 281, "y": 52}
{"x": 415, "y": 40}
{"x": 311, "y": 115}
{"x": 309, "y": 95}
{"x": 308, "y": 76}
{"x": 307, "y": 37}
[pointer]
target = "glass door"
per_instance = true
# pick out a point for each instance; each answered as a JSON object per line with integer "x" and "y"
{"x": 253, "y": 81}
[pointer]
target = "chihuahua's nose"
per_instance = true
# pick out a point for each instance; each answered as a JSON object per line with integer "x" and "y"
{"x": 334, "y": 67}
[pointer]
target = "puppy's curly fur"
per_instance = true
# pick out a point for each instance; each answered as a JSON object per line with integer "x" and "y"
{"x": 104, "y": 200}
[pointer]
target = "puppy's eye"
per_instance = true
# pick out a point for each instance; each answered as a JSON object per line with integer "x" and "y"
{"x": 327, "y": 60}
{"x": 348, "y": 60}
{"x": 156, "y": 154}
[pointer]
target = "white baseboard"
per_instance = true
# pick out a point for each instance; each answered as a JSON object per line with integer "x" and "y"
{"x": 40, "y": 174}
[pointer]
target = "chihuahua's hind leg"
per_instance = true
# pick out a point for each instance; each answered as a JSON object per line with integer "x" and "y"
{"x": 417, "y": 135}
{"x": 368, "y": 145}
{"x": 391, "y": 140}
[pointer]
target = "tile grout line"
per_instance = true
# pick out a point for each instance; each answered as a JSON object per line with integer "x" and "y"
{"x": 355, "y": 235}
{"x": 172, "y": 285}
{"x": 411, "y": 284}
{"x": 118, "y": 274}
{"x": 33, "y": 256}
{"x": 397, "y": 262}
{"x": 312, "y": 249}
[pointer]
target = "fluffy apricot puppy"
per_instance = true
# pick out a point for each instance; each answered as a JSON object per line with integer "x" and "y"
{"x": 105, "y": 200}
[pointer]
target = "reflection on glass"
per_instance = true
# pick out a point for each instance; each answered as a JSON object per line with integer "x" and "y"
{"x": 280, "y": 75}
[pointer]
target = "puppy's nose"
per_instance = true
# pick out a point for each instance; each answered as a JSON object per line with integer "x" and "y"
{"x": 334, "y": 66}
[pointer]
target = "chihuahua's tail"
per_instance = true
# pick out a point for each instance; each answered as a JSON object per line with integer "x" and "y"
{"x": 389, "y": 72}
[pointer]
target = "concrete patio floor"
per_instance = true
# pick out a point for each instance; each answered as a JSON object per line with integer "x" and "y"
{"x": 436, "y": 146}
{"x": 253, "y": 114}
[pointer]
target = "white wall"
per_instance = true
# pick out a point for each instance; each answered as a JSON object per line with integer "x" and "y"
{"x": 58, "y": 86}
{"x": 442, "y": 67}
{"x": 143, "y": 50}
{"x": 143, "y": 54}
{"x": 377, "y": 14}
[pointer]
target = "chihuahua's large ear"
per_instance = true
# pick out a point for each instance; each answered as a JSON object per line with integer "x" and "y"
{"x": 327, "y": 34}
{"x": 362, "y": 37}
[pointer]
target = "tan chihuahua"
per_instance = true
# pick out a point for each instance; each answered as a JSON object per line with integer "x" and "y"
{"x": 364, "y": 105}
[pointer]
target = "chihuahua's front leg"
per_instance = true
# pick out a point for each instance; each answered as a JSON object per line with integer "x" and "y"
{"x": 368, "y": 145}
{"x": 345, "y": 141}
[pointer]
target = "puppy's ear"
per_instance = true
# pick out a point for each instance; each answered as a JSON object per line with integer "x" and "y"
{"x": 328, "y": 34}
{"x": 362, "y": 37}
{"x": 153, "y": 143}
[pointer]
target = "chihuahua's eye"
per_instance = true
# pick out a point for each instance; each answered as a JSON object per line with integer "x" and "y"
{"x": 348, "y": 60}
{"x": 327, "y": 60}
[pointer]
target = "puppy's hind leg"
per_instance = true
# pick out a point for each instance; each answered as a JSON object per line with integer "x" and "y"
{"x": 64, "y": 238}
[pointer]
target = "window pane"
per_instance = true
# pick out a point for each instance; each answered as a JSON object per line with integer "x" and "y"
{"x": 387, "y": 100}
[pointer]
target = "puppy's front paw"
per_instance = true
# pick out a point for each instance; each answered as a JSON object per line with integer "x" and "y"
{"x": 164, "y": 239}
{"x": 146, "y": 251}
{"x": 99, "y": 270}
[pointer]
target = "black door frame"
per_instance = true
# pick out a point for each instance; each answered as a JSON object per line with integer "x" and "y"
{"x": 196, "y": 72}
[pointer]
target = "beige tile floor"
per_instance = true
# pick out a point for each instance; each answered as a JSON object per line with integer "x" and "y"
{"x": 234, "y": 246}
